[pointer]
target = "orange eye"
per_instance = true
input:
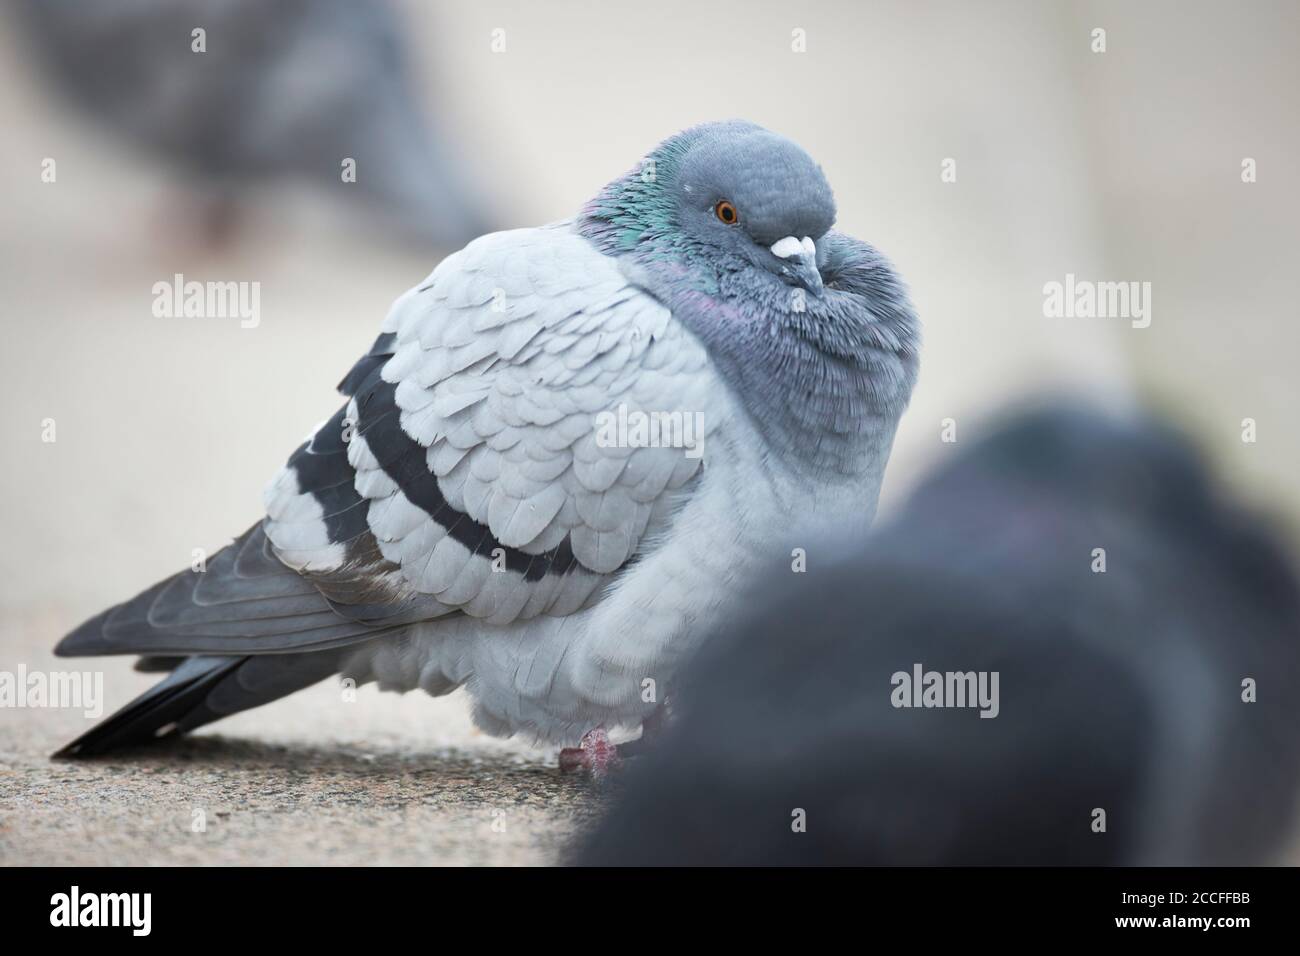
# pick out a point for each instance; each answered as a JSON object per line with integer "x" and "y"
{"x": 726, "y": 212}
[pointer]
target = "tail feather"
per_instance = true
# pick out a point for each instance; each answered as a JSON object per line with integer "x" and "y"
{"x": 155, "y": 713}
{"x": 244, "y": 631}
{"x": 158, "y": 664}
{"x": 199, "y": 691}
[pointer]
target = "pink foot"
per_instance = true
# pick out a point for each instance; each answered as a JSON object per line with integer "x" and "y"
{"x": 595, "y": 753}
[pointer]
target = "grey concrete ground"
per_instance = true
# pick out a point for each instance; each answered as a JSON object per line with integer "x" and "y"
{"x": 309, "y": 780}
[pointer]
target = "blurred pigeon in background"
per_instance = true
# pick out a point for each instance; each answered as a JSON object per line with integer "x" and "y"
{"x": 1161, "y": 691}
{"x": 566, "y": 453}
{"x": 283, "y": 90}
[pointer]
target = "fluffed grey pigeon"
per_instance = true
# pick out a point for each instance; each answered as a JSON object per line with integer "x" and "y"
{"x": 289, "y": 89}
{"x": 559, "y": 462}
{"x": 1122, "y": 686}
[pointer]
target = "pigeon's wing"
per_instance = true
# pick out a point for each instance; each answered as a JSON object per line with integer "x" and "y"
{"x": 478, "y": 466}
{"x": 241, "y": 600}
{"x": 504, "y": 450}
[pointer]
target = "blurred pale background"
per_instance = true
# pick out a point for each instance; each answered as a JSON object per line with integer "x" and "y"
{"x": 1124, "y": 166}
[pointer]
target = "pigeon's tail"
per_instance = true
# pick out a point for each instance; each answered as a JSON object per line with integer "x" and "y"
{"x": 243, "y": 630}
{"x": 199, "y": 691}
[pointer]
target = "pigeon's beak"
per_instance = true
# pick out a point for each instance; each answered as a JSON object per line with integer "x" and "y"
{"x": 800, "y": 266}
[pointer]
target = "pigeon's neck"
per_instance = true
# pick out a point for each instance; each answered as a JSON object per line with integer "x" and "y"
{"x": 828, "y": 410}
{"x": 636, "y": 213}
{"x": 621, "y": 220}
{"x": 824, "y": 378}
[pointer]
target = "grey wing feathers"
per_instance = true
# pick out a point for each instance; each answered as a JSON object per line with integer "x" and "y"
{"x": 246, "y": 602}
{"x": 474, "y": 476}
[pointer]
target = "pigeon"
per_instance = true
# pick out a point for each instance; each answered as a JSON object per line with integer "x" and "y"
{"x": 280, "y": 91}
{"x": 563, "y": 456}
{"x": 1145, "y": 708}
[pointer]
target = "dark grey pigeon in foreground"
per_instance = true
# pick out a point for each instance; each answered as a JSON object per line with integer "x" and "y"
{"x": 562, "y": 459}
{"x": 284, "y": 90}
{"x": 1119, "y": 692}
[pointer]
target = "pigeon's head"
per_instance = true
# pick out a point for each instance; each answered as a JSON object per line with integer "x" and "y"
{"x": 730, "y": 191}
{"x": 753, "y": 194}
{"x": 729, "y": 225}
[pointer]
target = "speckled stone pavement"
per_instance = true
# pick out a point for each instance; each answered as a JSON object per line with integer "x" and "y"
{"x": 308, "y": 780}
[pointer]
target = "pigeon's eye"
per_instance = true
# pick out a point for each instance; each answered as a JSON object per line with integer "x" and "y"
{"x": 726, "y": 212}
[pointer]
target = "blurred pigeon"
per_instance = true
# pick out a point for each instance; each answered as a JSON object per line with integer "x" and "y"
{"x": 1119, "y": 690}
{"x": 288, "y": 89}
{"x": 559, "y": 462}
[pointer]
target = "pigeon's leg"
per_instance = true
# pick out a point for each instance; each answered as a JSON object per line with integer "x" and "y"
{"x": 598, "y": 755}
{"x": 595, "y": 753}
